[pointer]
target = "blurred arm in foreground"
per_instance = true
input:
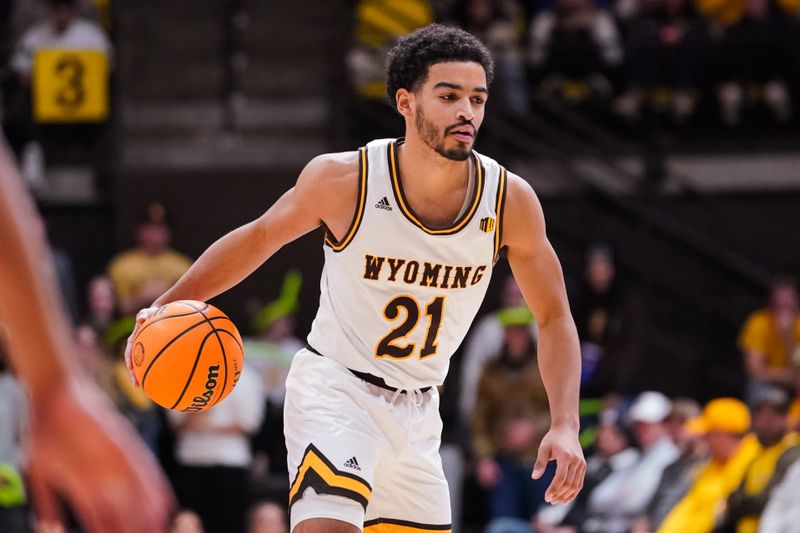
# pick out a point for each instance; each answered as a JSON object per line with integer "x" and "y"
{"x": 81, "y": 449}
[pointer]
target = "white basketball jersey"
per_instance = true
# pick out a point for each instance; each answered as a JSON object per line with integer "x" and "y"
{"x": 398, "y": 297}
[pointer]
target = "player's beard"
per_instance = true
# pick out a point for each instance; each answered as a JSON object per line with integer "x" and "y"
{"x": 430, "y": 136}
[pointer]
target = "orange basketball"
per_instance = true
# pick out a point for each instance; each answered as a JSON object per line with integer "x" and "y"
{"x": 188, "y": 356}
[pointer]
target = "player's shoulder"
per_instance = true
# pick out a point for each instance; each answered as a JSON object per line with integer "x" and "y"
{"x": 520, "y": 193}
{"x": 333, "y": 176}
{"x": 333, "y": 167}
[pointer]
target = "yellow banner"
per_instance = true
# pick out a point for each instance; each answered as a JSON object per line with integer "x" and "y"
{"x": 70, "y": 86}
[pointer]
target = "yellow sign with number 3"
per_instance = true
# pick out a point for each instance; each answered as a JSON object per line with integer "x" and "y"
{"x": 70, "y": 86}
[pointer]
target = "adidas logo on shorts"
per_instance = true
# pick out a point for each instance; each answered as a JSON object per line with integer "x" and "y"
{"x": 352, "y": 463}
{"x": 384, "y": 204}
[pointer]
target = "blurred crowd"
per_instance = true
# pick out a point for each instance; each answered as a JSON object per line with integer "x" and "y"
{"x": 627, "y": 60}
{"x": 656, "y": 464}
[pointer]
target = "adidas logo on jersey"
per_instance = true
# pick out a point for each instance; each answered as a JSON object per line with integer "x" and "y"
{"x": 352, "y": 462}
{"x": 384, "y": 204}
{"x": 487, "y": 224}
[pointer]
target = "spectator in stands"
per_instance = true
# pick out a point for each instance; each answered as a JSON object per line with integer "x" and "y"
{"x": 754, "y": 62}
{"x": 614, "y": 453}
{"x": 678, "y": 476}
{"x": 770, "y": 336}
{"x": 213, "y": 450}
{"x": 575, "y": 51}
{"x": 615, "y": 503}
{"x": 794, "y": 415}
{"x": 667, "y": 48}
{"x": 498, "y": 23}
{"x": 267, "y": 517}
{"x": 725, "y": 423}
{"x": 103, "y": 313}
{"x": 780, "y": 449}
{"x": 63, "y": 29}
{"x": 13, "y": 424}
{"x": 511, "y": 417}
{"x": 607, "y": 326}
{"x": 102, "y": 303}
{"x": 485, "y": 343}
{"x": 91, "y": 356}
{"x": 143, "y": 273}
{"x": 782, "y": 514}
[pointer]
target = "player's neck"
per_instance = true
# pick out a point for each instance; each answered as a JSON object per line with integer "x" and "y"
{"x": 428, "y": 172}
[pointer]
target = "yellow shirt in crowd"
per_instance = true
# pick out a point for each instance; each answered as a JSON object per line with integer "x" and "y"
{"x": 134, "y": 270}
{"x": 699, "y": 510}
{"x": 760, "y": 334}
{"x": 760, "y": 473}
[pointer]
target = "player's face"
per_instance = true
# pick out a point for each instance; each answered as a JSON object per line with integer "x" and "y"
{"x": 449, "y": 107}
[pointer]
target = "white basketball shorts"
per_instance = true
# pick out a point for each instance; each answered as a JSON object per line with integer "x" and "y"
{"x": 362, "y": 454}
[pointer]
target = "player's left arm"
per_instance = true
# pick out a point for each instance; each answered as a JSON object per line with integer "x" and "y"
{"x": 538, "y": 273}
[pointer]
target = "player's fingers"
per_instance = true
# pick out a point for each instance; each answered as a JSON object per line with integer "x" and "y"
{"x": 570, "y": 489}
{"x": 150, "y": 488}
{"x": 145, "y": 314}
{"x": 45, "y": 503}
{"x": 542, "y": 458}
{"x": 104, "y": 507}
{"x": 556, "y": 488}
{"x": 574, "y": 482}
{"x": 157, "y": 500}
{"x": 129, "y": 354}
{"x": 129, "y": 365}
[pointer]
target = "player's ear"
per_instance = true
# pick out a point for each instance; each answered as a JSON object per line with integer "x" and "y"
{"x": 404, "y": 98}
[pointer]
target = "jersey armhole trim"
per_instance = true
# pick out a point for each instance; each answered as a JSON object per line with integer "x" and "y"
{"x": 330, "y": 239}
{"x": 500, "y": 204}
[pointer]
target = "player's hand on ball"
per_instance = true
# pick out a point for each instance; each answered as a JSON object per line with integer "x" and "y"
{"x": 141, "y": 316}
{"x": 561, "y": 445}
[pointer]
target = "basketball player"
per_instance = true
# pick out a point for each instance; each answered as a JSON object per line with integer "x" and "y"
{"x": 81, "y": 449}
{"x": 412, "y": 227}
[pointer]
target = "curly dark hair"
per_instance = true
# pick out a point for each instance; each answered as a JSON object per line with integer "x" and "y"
{"x": 409, "y": 60}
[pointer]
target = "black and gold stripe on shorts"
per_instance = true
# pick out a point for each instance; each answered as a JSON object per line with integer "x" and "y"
{"x": 330, "y": 240}
{"x": 317, "y": 472}
{"x": 390, "y": 525}
{"x": 500, "y": 204}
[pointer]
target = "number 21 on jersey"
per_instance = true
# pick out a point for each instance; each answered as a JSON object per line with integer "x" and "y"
{"x": 390, "y": 345}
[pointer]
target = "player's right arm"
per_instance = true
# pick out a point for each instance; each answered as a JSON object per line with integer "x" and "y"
{"x": 325, "y": 194}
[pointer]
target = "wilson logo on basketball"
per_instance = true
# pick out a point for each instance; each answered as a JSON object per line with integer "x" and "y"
{"x": 138, "y": 354}
{"x": 200, "y": 402}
